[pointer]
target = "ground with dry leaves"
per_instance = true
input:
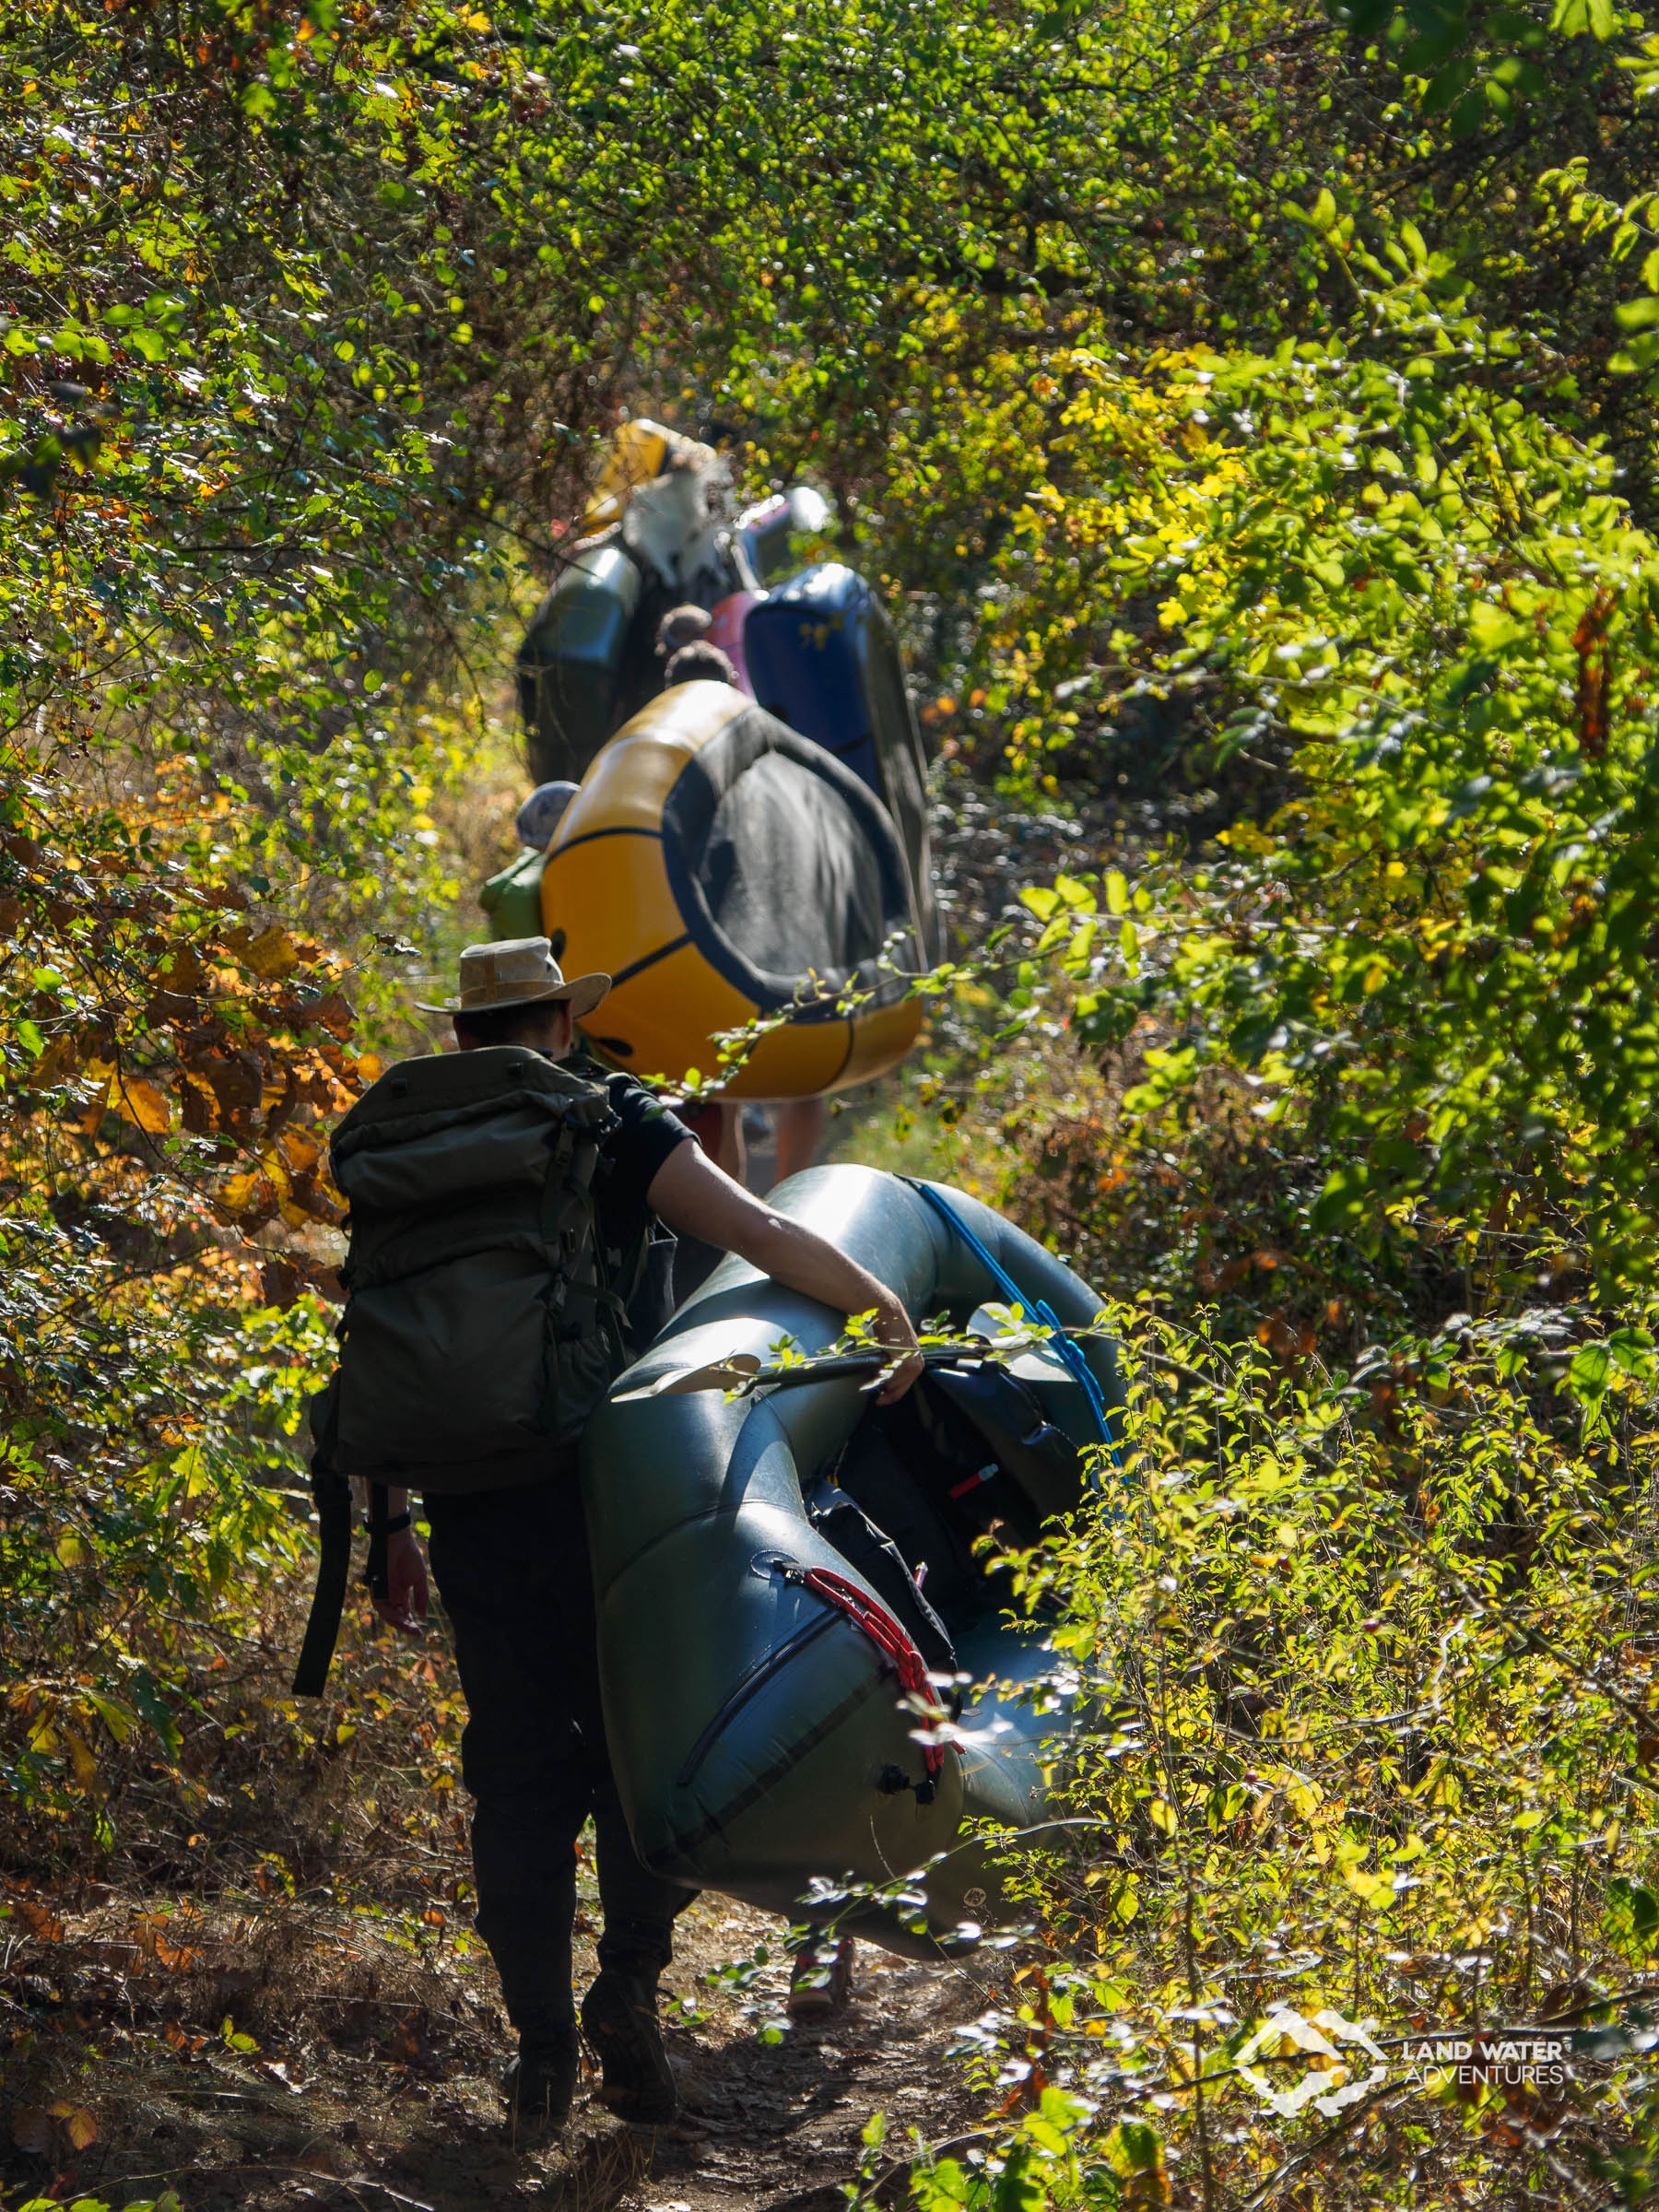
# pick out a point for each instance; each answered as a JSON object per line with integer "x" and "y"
{"x": 278, "y": 2001}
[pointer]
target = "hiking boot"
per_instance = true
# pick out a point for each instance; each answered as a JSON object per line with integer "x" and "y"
{"x": 540, "y": 2085}
{"x": 821, "y": 1979}
{"x": 618, "y": 2018}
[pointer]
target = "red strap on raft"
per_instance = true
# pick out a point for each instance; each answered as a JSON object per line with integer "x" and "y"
{"x": 890, "y": 1639}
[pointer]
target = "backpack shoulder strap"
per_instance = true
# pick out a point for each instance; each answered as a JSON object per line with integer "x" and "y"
{"x": 415, "y": 1097}
{"x": 333, "y": 1496}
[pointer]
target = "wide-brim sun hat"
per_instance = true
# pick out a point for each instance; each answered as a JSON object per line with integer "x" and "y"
{"x": 518, "y": 971}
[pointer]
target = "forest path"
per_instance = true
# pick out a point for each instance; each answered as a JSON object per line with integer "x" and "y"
{"x": 271, "y": 2002}
{"x": 298, "y": 2059}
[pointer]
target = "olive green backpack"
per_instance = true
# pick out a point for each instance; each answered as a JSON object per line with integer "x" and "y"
{"x": 484, "y": 1321}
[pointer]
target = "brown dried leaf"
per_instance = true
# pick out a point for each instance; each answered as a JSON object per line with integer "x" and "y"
{"x": 169, "y": 1006}
{"x": 334, "y": 1014}
{"x": 181, "y": 972}
{"x": 199, "y": 1106}
{"x": 154, "y": 1933}
{"x": 56, "y": 1062}
{"x": 40, "y": 1923}
{"x": 280, "y": 1283}
{"x": 237, "y": 1079}
{"x": 31, "y": 2129}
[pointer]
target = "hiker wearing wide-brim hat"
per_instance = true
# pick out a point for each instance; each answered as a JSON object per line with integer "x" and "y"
{"x": 518, "y": 971}
{"x": 505, "y": 1204}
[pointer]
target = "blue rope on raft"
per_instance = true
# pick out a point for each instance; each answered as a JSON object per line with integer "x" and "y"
{"x": 1067, "y": 1349}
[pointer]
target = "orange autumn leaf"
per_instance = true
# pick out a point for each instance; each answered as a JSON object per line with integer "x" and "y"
{"x": 300, "y": 1152}
{"x": 93, "y": 1092}
{"x": 143, "y": 1103}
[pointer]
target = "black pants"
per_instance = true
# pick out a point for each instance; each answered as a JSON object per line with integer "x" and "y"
{"x": 511, "y": 1568}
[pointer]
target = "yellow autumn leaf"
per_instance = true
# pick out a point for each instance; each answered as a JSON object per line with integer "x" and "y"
{"x": 236, "y": 1192}
{"x": 1304, "y": 1798}
{"x": 120, "y": 1719}
{"x": 271, "y": 955}
{"x": 82, "y": 1758}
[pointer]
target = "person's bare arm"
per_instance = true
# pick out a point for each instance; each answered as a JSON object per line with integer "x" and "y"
{"x": 691, "y": 1196}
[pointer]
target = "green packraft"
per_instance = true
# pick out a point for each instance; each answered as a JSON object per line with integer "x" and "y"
{"x": 484, "y": 1320}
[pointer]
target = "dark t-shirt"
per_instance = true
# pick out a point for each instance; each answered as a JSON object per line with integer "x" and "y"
{"x": 633, "y": 1152}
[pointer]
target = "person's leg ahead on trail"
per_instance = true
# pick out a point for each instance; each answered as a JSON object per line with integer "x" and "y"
{"x": 511, "y": 1568}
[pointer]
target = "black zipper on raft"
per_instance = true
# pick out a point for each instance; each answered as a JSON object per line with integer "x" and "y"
{"x": 758, "y": 1675}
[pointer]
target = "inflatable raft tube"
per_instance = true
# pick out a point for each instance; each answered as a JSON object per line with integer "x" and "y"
{"x": 820, "y": 653}
{"x": 720, "y": 868}
{"x": 755, "y": 1726}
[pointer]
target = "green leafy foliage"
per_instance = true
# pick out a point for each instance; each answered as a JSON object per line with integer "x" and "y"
{"x": 1440, "y": 945}
{"x": 1374, "y": 1677}
{"x": 1245, "y": 405}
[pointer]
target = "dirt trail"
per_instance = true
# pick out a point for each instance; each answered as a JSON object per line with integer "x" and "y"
{"x": 291, "y": 2059}
{"x": 238, "y": 2025}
